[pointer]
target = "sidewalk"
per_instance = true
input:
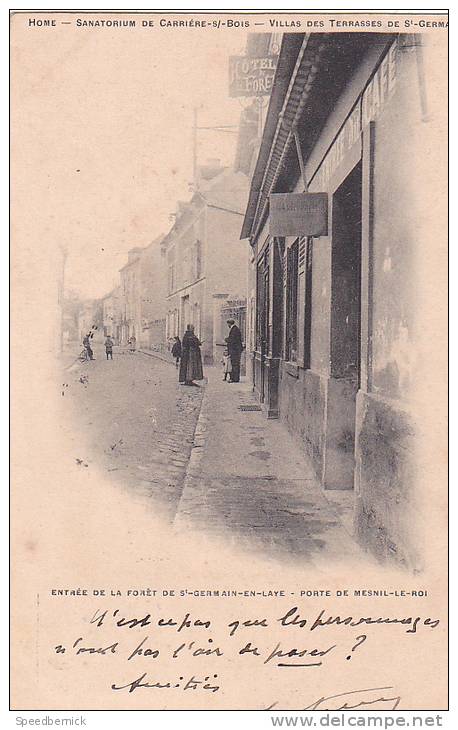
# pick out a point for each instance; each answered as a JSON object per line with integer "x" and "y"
{"x": 249, "y": 484}
{"x": 164, "y": 356}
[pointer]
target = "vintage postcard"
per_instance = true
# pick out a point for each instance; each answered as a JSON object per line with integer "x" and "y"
{"x": 229, "y": 352}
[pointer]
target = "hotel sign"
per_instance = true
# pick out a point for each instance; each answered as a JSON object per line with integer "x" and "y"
{"x": 298, "y": 214}
{"x": 251, "y": 76}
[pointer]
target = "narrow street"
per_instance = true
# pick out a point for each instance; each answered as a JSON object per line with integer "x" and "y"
{"x": 205, "y": 458}
{"x": 250, "y": 485}
{"x": 137, "y": 421}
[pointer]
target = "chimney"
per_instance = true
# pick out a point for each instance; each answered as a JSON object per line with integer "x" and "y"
{"x": 133, "y": 254}
{"x": 210, "y": 169}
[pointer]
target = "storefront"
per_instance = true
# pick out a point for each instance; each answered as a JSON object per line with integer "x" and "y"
{"x": 334, "y": 314}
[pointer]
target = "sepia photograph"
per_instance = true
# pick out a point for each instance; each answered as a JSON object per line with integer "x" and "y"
{"x": 211, "y": 199}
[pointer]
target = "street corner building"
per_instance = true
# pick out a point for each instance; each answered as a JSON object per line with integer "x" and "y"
{"x": 332, "y": 219}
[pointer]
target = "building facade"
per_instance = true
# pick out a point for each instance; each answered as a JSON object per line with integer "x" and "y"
{"x": 204, "y": 259}
{"x": 332, "y": 326}
{"x": 130, "y": 296}
{"x": 152, "y": 293}
{"x": 90, "y": 319}
{"x": 71, "y": 310}
{"x": 142, "y": 296}
{"x": 112, "y": 315}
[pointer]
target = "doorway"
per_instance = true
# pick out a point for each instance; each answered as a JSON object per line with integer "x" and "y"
{"x": 345, "y": 343}
{"x": 185, "y": 312}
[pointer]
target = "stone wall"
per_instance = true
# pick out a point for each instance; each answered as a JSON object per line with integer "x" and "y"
{"x": 385, "y": 481}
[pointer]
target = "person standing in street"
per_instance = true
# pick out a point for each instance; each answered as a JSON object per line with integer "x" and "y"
{"x": 191, "y": 359}
{"x": 176, "y": 350}
{"x": 234, "y": 347}
{"x": 109, "y": 348}
{"x": 87, "y": 345}
{"x": 132, "y": 343}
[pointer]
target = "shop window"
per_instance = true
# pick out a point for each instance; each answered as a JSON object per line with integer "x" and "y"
{"x": 291, "y": 301}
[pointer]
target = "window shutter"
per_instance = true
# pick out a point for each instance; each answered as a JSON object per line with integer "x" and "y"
{"x": 301, "y": 301}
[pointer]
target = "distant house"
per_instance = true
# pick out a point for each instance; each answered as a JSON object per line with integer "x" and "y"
{"x": 111, "y": 305}
{"x": 205, "y": 261}
{"x": 90, "y": 319}
{"x": 130, "y": 296}
{"x": 142, "y": 296}
{"x": 152, "y": 291}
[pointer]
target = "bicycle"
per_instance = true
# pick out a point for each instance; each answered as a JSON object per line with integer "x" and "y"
{"x": 83, "y": 356}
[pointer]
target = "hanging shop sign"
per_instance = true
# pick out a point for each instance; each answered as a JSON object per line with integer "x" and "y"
{"x": 251, "y": 76}
{"x": 298, "y": 214}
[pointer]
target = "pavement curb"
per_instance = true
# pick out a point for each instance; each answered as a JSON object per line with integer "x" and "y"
{"x": 198, "y": 440}
{"x": 195, "y": 458}
{"x": 158, "y": 356}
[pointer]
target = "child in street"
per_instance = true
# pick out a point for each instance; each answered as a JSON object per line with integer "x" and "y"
{"x": 227, "y": 365}
{"x": 176, "y": 350}
{"x": 109, "y": 347}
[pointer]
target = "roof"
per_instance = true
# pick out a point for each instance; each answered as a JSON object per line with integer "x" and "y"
{"x": 290, "y": 48}
{"x": 130, "y": 262}
{"x": 135, "y": 254}
{"x": 227, "y": 191}
{"x": 311, "y": 74}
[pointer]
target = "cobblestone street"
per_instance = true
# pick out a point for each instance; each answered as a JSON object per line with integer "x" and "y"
{"x": 250, "y": 485}
{"x": 204, "y": 460}
{"x": 137, "y": 421}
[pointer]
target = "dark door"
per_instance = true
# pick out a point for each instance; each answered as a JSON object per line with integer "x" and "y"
{"x": 346, "y": 279}
{"x": 345, "y": 331}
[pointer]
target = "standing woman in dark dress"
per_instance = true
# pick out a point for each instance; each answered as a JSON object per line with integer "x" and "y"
{"x": 191, "y": 359}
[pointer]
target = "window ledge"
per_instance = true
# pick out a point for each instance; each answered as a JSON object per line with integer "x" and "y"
{"x": 292, "y": 368}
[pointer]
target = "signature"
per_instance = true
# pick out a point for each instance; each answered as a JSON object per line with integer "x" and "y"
{"x": 191, "y": 683}
{"x": 355, "y": 699}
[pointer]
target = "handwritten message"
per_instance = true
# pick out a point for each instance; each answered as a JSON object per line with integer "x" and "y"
{"x": 153, "y": 649}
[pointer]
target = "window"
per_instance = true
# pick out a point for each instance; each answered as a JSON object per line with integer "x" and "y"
{"x": 186, "y": 267}
{"x": 262, "y": 304}
{"x": 197, "y": 319}
{"x": 198, "y": 259}
{"x": 291, "y": 301}
{"x": 176, "y": 322}
{"x": 186, "y": 312}
{"x": 167, "y": 326}
{"x": 171, "y": 278}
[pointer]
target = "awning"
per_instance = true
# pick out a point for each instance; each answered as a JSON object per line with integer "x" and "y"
{"x": 308, "y": 82}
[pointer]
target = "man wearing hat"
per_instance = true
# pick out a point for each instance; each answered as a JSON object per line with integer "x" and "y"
{"x": 234, "y": 347}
